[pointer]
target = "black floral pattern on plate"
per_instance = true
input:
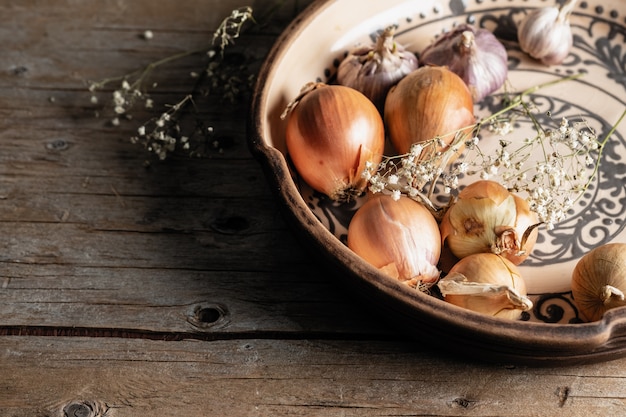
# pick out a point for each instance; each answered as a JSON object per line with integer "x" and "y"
{"x": 599, "y": 48}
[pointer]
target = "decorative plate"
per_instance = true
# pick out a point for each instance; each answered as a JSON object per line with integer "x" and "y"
{"x": 311, "y": 49}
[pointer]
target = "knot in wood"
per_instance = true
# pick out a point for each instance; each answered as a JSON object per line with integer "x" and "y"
{"x": 462, "y": 403}
{"x": 85, "y": 409}
{"x": 208, "y": 315}
{"x": 230, "y": 225}
{"x": 57, "y": 145}
{"x": 78, "y": 410}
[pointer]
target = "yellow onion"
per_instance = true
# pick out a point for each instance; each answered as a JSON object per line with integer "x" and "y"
{"x": 332, "y": 132}
{"x": 486, "y": 217}
{"x": 431, "y": 102}
{"x": 599, "y": 280}
{"x": 399, "y": 237}
{"x": 488, "y": 284}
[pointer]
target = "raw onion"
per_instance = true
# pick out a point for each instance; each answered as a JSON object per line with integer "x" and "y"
{"x": 488, "y": 218}
{"x": 332, "y": 132}
{"x": 599, "y": 280}
{"x": 401, "y": 238}
{"x": 429, "y": 103}
{"x": 488, "y": 284}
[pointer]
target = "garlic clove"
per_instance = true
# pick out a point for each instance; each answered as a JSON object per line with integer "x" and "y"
{"x": 474, "y": 54}
{"x": 545, "y": 33}
{"x": 374, "y": 69}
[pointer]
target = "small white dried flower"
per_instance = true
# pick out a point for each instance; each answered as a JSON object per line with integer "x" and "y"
{"x": 118, "y": 98}
{"x": 551, "y": 184}
{"x": 231, "y": 27}
{"x": 416, "y": 150}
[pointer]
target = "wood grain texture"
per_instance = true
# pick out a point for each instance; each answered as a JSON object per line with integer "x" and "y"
{"x": 254, "y": 377}
{"x": 177, "y": 289}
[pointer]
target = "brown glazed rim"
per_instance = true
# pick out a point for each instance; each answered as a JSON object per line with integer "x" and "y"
{"x": 425, "y": 318}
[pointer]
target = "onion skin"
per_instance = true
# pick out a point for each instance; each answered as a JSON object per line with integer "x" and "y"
{"x": 488, "y": 284}
{"x": 401, "y": 238}
{"x": 332, "y": 132}
{"x": 488, "y": 218}
{"x": 428, "y": 103}
{"x": 599, "y": 280}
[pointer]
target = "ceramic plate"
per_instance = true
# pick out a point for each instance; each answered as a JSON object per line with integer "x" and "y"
{"x": 311, "y": 49}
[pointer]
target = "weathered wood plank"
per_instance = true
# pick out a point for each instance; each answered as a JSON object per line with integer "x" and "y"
{"x": 70, "y": 243}
{"x": 106, "y": 40}
{"x": 197, "y": 298}
{"x": 95, "y": 240}
{"x": 78, "y": 171}
{"x": 153, "y": 300}
{"x": 256, "y": 377}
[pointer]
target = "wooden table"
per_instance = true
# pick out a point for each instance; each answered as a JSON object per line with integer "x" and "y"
{"x": 174, "y": 288}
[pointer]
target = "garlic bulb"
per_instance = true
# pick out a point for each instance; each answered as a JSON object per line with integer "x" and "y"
{"x": 545, "y": 33}
{"x": 488, "y": 218}
{"x": 474, "y": 54}
{"x": 599, "y": 280}
{"x": 374, "y": 69}
{"x": 401, "y": 238}
{"x": 488, "y": 284}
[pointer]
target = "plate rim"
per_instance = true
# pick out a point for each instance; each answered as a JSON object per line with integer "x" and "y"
{"x": 482, "y": 337}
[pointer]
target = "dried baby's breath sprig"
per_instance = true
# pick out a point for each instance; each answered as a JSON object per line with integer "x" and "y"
{"x": 416, "y": 173}
{"x": 552, "y": 168}
{"x": 131, "y": 88}
{"x": 163, "y": 134}
{"x": 230, "y": 28}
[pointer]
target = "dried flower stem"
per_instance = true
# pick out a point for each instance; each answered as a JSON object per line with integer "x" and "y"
{"x": 553, "y": 181}
{"x": 230, "y": 28}
{"x": 602, "y": 146}
{"x": 142, "y": 73}
{"x": 162, "y": 135}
